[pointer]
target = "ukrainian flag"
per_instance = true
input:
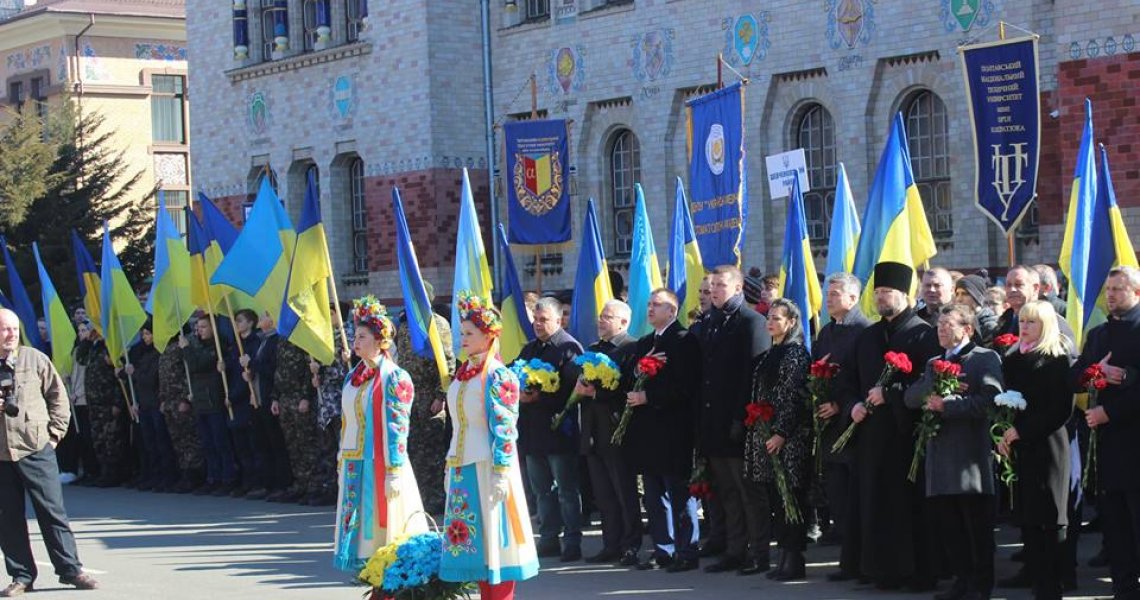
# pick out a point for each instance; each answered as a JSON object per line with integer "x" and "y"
{"x": 123, "y": 316}
{"x": 844, "y": 231}
{"x": 258, "y": 261}
{"x": 422, "y": 329}
{"x": 517, "y": 328}
{"x": 58, "y": 322}
{"x": 685, "y": 267}
{"x": 21, "y": 302}
{"x": 894, "y": 224}
{"x": 591, "y": 281}
{"x": 472, "y": 275}
{"x": 220, "y": 236}
{"x": 798, "y": 281}
{"x": 169, "y": 301}
{"x": 1076, "y": 248}
{"x": 90, "y": 288}
{"x": 305, "y": 318}
{"x": 644, "y": 272}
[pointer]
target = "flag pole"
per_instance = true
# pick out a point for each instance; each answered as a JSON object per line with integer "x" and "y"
{"x": 185, "y": 366}
{"x": 241, "y": 350}
{"x": 217, "y": 342}
{"x": 1009, "y": 235}
{"x": 132, "y": 402}
{"x": 336, "y": 306}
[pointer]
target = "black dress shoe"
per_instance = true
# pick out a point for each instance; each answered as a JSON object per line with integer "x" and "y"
{"x": 728, "y": 563}
{"x": 16, "y": 588}
{"x": 571, "y": 554}
{"x": 1019, "y": 580}
{"x": 1018, "y": 556}
{"x": 657, "y": 561}
{"x": 754, "y": 566}
{"x": 781, "y": 563}
{"x": 1068, "y": 583}
{"x": 257, "y": 494}
{"x": 549, "y": 549}
{"x": 682, "y": 564}
{"x": 711, "y": 550}
{"x": 629, "y": 559}
{"x": 921, "y": 584}
{"x": 605, "y": 556}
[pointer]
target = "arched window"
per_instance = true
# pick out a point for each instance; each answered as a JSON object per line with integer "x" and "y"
{"x": 625, "y": 170}
{"x": 313, "y": 171}
{"x": 815, "y": 133}
{"x": 928, "y": 135}
{"x": 359, "y": 216}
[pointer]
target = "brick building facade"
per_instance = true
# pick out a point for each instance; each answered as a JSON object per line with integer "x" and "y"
{"x": 395, "y": 99}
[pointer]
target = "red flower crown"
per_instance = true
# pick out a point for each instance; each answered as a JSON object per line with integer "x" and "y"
{"x": 480, "y": 313}
{"x": 368, "y": 311}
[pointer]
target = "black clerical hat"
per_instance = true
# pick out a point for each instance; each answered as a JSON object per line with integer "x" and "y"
{"x": 894, "y": 275}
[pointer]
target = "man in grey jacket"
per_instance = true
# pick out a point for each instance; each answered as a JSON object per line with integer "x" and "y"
{"x": 34, "y": 419}
{"x": 959, "y": 468}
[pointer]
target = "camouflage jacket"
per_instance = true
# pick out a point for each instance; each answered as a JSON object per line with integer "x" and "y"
{"x": 332, "y": 382}
{"x": 425, "y": 375}
{"x": 100, "y": 382}
{"x": 172, "y": 387}
{"x": 292, "y": 382}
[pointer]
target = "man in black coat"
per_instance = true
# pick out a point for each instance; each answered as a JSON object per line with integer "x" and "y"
{"x": 732, "y": 339}
{"x": 552, "y": 456}
{"x": 1115, "y": 345}
{"x": 896, "y": 546}
{"x": 836, "y": 341}
{"x": 659, "y": 441}
{"x": 615, "y": 486}
{"x": 260, "y": 366}
{"x": 937, "y": 291}
{"x": 1023, "y": 284}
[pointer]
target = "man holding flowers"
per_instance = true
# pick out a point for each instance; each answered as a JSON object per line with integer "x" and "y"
{"x": 957, "y": 391}
{"x": 895, "y": 546}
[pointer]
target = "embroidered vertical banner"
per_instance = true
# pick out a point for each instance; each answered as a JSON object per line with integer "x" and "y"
{"x": 1005, "y": 110}
{"x": 718, "y": 181}
{"x": 538, "y": 170}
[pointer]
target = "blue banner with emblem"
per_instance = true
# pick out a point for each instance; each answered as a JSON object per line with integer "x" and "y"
{"x": 538, "y": 176}
{"x": 1005, "y": 109}
{"x": 718, "y": 180}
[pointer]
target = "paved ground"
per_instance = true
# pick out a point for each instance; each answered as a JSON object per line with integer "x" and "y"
{"x": 143, "y": 546}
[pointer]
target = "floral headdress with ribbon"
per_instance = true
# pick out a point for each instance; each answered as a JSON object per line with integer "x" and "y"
{"x": 480, "y": 313}
{"x": 368, "y": 312}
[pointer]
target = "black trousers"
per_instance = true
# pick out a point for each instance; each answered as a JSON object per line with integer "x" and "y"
{"x": 37, "y": 475}
{"x": 615, "y": 495}
{"x": 271, "y": 452}
{"x": 742, "y": 524}
{"x": 839, "y": 484}
{"x": 771, "y": 521}
{"x": 1120, "y": 522}
{"x": 966, "y": 527}
{"x": 82, "y": 432}
{"x": 1043, "y": 551}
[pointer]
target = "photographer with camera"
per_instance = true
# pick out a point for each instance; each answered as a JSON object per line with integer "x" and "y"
{"x": 33, "y": 419}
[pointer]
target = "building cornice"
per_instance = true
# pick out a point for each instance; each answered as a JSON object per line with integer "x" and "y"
{"x": 47, "y": 26}
{"x": 298, "y": 61}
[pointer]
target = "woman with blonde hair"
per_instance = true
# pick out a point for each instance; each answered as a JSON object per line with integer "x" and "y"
{"x": 378, "y": 498}
{"x": 488, "y": 534}
{"x": 1038, "y": 367}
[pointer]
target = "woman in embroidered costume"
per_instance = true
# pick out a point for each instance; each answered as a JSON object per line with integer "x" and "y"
{"x": 488, "y": 537}
{"x": 378, "y": 499}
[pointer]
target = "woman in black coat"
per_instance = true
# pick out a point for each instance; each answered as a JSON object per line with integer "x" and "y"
{"x": 780, "y": 379}
{"x": 1039, "y": 444}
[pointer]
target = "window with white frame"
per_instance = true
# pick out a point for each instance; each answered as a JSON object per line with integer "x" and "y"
{"x": 928, "y": 135}
{"x": 625, "y": 170}
{"x": 359, "y": 216}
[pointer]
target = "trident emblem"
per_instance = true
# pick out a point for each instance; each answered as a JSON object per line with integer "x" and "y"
{"x": 1007, "y": 172}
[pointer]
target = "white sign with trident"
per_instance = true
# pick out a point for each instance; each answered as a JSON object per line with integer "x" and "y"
{"x": 1007, "y": 172}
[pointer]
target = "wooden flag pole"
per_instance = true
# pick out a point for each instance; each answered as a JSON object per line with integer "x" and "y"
{"x": 336, "y": 306}
{"x": 217, "y": 342}
{"x": 1008, "y": 236}
{"x": 132, "y": 402}
{"x": 241, "y": 351}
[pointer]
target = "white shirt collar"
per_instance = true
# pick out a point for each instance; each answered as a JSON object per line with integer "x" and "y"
{"x": 957, "y": 350}
{"x": 662, "y": 330}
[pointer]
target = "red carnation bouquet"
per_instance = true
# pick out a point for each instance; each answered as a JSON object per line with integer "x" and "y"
{"x": 895, "y": 362}
{"x": 946, "y": 375}
{"x": 647, "y": 367}
{"x": 700, "y": 484}
{"x": 820, "y": 377}
{"x": 1094, "y": 381}
{"x": 1005, "y": 341}
{"x": 760, "y": 415}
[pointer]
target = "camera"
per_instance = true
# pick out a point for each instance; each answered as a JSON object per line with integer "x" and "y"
{"x": 8, "y": 397}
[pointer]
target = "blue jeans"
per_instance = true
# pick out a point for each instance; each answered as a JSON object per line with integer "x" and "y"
{"x": 554, "y": 478}
{"x": 216, "y": 449}
{"x": 158, "y": 462}
{"x": 672, "y": 516}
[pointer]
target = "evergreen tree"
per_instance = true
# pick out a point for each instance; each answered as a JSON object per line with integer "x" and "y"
{"x": 25, "y": 161}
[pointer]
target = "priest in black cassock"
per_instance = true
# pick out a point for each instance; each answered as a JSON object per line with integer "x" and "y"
{"x": 896, "y": 546}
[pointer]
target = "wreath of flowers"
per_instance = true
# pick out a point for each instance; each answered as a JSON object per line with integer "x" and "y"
{"x": 368, "y": 311}
{"x": 480, "y": 313}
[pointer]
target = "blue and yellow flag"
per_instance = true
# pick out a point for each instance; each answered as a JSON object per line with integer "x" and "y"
{"x": 844, "y": 232}
{"x": 90, "y": 288}
{"x": 472, "y": 275}
{"x": 894, "y": 224}
{"x": 216, "y": 235}
{"x": 591, "y": 281}
{"x": 644, "y": 270}
{"x": 685, "y": 268}
{"x": 517, "y": 328}
{"x": 718, "y": 174}
{"x": 123, "y": 315}
{"x": 169, "y": 301}
{"x": 22, "y": 303}
{"x": 59, "y": 325}
{"x": 798, "y": 281}
{"x": 258, "y": 262}
{"x": 422, "y": 329}
{"x": 305, "y": 318}
{"x": 1076, "y": 248}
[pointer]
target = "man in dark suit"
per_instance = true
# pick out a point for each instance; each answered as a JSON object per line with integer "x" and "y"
{"x": 732, "y": 338}
{"x": 659, "y": 441}
{"x": 1023, "y": 284}
{"x": 896, "y": 548}
{"x": 835, "y": 342}
{"x": 937, "y": 291}
{"x": 959, "y": 460}
{"x": 615, "y": 486}
{"x": 1116, "y": 418}
{"x": 552, "y": 456}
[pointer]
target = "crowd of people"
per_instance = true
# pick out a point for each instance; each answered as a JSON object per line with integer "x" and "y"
{"x": 731, "y": 403}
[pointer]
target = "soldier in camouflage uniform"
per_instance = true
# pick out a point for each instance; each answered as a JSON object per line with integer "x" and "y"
{"x": 109, "y": 419}
{"x": 174, "y": 401}
{"x": 294, "y": 392}
{"x": 430, "y": 432}
{"x": 330, "y": 380}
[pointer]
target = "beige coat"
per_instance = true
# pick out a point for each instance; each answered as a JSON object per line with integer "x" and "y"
{"x": 44, "y": 409}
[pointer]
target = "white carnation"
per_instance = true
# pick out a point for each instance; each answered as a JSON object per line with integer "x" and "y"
{"x": 1011, "y": 399}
